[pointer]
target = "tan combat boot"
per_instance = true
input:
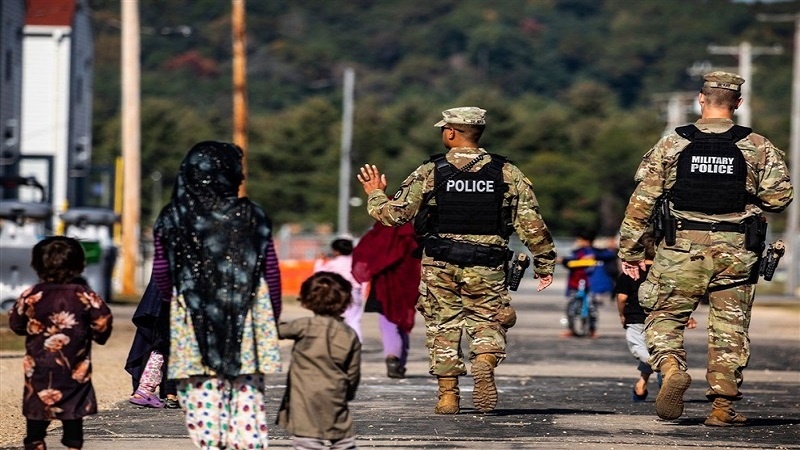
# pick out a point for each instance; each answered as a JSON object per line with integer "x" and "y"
{"x": 669, "y": 403}
{"x": 448, "y": 396}
{"x": 484, "y": 395}
{"x": 723, "y": 415}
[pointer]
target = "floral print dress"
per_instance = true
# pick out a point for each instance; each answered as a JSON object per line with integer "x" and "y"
{"x": 222, "y": 413}
{"x": 60, "y": 321}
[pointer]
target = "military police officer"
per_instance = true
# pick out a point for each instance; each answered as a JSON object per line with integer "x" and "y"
{"x": 467, "y": 203}
{"x": 717, "y": 178}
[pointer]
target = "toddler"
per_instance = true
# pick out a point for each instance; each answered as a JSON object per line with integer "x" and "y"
{"x": 633, "y": 317}
{"x": 325, "y": 368}
{"x": 60, "y": 317}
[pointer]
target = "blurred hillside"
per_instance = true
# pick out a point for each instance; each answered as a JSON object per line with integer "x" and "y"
{"x": 574, "y": 89}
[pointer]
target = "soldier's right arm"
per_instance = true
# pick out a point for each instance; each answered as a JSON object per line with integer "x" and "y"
{"x": 650, "y": 177}
{"x": 405, "y": 203}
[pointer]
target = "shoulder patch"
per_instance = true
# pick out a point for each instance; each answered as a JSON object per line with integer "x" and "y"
{"x": 400, "y": 193}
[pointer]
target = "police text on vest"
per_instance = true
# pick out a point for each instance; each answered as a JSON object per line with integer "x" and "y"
{"x": 470, "y": 186}
{"x": 712, "y": 164}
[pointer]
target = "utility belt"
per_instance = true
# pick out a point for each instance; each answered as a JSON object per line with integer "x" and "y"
{"x": 754, "y": 229}
{"x": 682, "y": 224}
{"x": 465, "y": 254}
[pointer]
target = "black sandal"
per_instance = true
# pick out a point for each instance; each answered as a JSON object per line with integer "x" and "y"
{"x": 171, "y": 403}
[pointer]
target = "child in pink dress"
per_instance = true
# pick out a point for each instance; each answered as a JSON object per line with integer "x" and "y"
{"x": 342, "y": 263}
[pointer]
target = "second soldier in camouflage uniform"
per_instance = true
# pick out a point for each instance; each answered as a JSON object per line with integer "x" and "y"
{"x": 473, "y": 201}
{"x": 718, "y": 178}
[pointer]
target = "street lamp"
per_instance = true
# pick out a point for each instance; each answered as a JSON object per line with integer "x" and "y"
{"x": 344, "y": 157}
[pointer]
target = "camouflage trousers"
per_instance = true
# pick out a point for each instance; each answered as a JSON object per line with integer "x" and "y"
{"x": 461, "y": 299}
{"x": 702, "y": 263}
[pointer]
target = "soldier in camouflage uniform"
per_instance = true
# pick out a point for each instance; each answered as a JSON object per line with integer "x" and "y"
{"x": 466, "y": 203}
{"x": 716, "y": 194}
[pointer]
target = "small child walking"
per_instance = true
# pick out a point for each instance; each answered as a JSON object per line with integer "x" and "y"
{"x": 147, "y": 359}
{"x": 633, "y": 317}
{"x": 325, "y": 368}
{"x": 60, "y": 317}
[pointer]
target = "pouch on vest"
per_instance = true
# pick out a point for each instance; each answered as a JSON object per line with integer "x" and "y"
{"x": 755, "y": 234}
{"x": 711, "y": 172}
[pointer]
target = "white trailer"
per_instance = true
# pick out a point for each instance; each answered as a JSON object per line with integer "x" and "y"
{"x": 55, "y": 138}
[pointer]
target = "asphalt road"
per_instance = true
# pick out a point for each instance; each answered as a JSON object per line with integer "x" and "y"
{"x": 554, "y": 392}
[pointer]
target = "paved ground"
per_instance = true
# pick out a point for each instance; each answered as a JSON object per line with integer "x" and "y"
{"x": 555, "y": 393}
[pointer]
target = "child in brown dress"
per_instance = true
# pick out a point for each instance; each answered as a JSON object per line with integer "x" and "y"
{"x": 60, "y": 317}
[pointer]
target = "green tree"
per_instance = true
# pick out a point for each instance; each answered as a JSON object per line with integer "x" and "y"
{"x": 568, "y": 85}
{"x": 293, "y": 162}
{"x": 168, "y": 131}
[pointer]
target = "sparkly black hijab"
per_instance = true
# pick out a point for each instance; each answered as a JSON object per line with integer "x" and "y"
{"x": 215, "y": 243}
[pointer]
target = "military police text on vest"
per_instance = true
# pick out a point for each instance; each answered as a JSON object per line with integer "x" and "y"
{"x": 711, "y": 164}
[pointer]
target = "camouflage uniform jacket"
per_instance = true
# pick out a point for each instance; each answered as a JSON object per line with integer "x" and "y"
{"x": 767, "y": 179}
{"x": 528, "y": 222}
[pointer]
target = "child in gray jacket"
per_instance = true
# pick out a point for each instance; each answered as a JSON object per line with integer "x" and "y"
{"x": 325, "y": 368}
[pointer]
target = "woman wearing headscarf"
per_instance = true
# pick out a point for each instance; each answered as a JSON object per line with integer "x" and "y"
{"x": 385, "y": 257}
{"x": 214, "y": 252}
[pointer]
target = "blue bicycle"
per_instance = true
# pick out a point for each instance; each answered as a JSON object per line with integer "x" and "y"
{"x": 581, "y": 312}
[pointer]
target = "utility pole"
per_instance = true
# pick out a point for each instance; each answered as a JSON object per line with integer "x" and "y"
{"x": 344, "y": 157}
{"x": 745, "y": 52}
{"x": 240, "y": 84}
{"x": 131, "y": 143}
{"x": 793, "y": 226}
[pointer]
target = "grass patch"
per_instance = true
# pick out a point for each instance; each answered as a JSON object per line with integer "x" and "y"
{"x": 9, "y": 341}
{"x": 794, "y": 307}
{"x": 773, "y": 287}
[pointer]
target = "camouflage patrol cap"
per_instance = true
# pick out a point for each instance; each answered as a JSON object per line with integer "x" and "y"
{"x": 723, "y": 80}
{"x": 467, "y": 115}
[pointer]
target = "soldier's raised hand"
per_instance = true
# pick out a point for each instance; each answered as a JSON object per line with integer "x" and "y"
{"x": 371, "y": 178}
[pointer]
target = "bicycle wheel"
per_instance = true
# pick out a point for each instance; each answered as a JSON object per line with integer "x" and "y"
{"x": 578, "y": 325}
{"x": 585, "y": 323}
{"x": 588, "y": 315}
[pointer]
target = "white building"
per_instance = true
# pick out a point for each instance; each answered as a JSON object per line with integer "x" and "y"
{"x": 55, "y": 137}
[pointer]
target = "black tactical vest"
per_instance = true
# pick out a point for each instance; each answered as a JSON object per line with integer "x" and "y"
{"x": 469, "y": 202}
{"x": 711, "y": 172}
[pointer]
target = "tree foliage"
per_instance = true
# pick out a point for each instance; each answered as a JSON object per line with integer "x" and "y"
{"x": 569, "y": 86}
